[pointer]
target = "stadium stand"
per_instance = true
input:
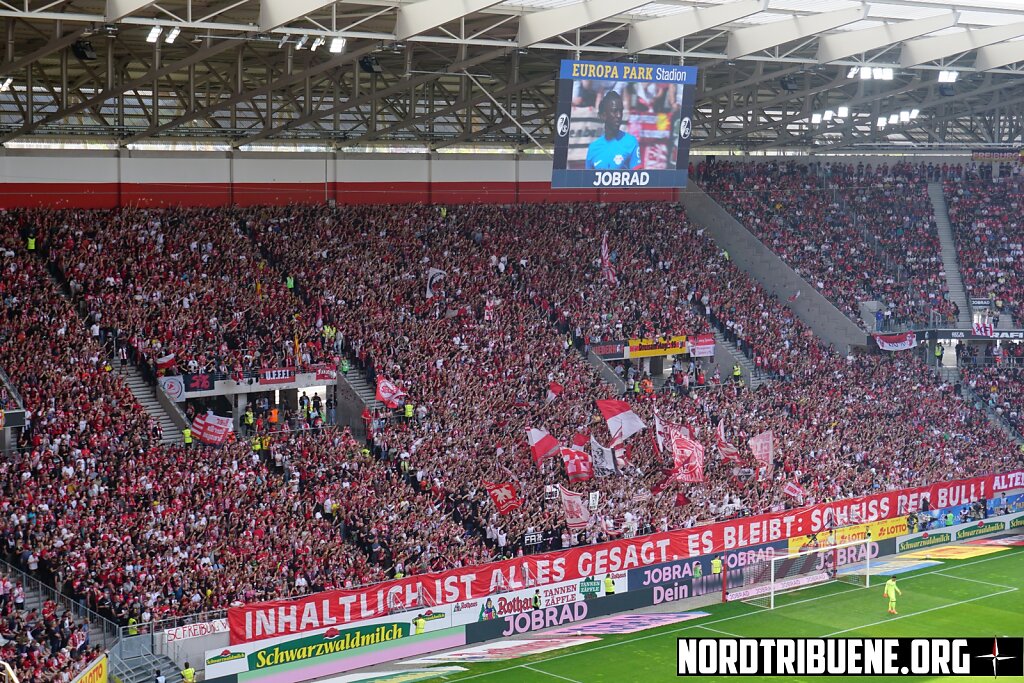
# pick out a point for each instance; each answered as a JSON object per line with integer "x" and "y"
{"x": 856, "y": 233}
{"x": 990, "y": 239}
{"x": 476, "y": 360}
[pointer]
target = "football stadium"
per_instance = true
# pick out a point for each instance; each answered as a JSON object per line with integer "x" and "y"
{"x": 599, "y": 341}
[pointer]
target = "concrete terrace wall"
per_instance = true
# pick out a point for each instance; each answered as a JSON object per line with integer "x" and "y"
{"x": 109, "y": 179}
{"x": 751, "y": 255}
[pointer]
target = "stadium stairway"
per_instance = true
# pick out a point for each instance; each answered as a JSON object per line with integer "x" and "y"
{"x": 145, "y": 394}
{"x": 748, "y": 253}
{"x": 366, "y": 393}
{"x": 957, "y": 290}
{"x": 751, "y": 377}
{"x": 34, "y": 600}
{"x": 143, "y": 669}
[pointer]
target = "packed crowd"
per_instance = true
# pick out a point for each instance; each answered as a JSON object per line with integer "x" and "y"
{"x": 985, "y": 214}
{"x": 181, "y": 284}
{"x": 999, "y": 387}
{"x": 521, "y": 291}
{"x": 81, "y": 420}
{"x": 855, "y": 233}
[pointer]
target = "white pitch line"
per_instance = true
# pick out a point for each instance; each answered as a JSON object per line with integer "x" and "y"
{"x": 548, "y": 673}
{"x": 914, "y": 614}
{"x": 964, "y": 578}
{"x": 998, "y": 556}
{"x": 715, "y": 630}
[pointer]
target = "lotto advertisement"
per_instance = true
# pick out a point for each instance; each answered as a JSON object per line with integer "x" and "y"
{"x": 623, "y": 125}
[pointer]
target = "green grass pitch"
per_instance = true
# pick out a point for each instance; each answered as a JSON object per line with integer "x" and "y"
{"x": 979, "y": 597}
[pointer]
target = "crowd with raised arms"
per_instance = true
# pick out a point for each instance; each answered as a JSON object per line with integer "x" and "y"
{"x": 989, "y": 232}
{"x": 855, "y": 233}
{"x": 134, "y": 529}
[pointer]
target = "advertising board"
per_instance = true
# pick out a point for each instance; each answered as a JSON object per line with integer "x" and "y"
{"x": 335, "y": 608}
{"x": 957, "y": 532}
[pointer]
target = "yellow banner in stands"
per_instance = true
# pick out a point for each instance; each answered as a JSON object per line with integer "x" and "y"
{"x": 881, "y": 530}
{"x": 661, "y": 346}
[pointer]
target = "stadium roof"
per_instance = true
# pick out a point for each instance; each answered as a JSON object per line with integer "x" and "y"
{"x": 449, "y": 73}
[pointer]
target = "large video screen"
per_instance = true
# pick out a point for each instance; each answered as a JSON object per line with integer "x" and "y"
{"x": 623, "y": 125}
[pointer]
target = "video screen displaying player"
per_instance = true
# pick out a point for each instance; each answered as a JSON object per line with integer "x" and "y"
{"x": 625, "y": 125}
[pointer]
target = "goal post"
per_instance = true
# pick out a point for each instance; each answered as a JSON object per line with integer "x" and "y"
{"x": 762, "y": 583}
{"x": 7, "y": 674}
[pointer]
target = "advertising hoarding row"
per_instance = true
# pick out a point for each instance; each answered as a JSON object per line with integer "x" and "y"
{"x": 467, "y": 584}
{"x": 959, "y": 532}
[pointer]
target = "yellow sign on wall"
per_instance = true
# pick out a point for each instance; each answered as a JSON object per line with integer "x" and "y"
{"x": 881, "y": 530}
{"x": 661, "y": 346}
{"x": 96, "y": 673}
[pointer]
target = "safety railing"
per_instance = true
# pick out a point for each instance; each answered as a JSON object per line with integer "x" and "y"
{"x": 108, "y": 630}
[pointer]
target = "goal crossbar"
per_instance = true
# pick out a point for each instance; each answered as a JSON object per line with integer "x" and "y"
{"x": 848, "y": 562}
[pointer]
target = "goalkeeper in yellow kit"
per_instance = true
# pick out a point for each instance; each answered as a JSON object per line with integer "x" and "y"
{"x": 891, "y": 591}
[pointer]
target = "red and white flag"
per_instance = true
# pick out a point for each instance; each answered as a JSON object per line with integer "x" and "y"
{"x": 793, "y": 297}
{"x": 577, "y": 514}
{"x": 682, "y": 499}
{"x": 896, "y": 342}
{"x": 554, "y": 391}
{"x": 984, "y": 329}
{"x": 763, "y": 448}
{"x": 725, "y": 449}
{"x": 620, "y": 417}
{"x": 794, "y": 490}
{"x": 607, "y": 270}
{"x": 688, "y": 456}
{"x": 577, "y": 464}
{"x": 542, "y": 444}
{"x": 504, "y": 496}
{"x": 212, "y": 429}
{"x": 389, "y": 393}
{"x": 165, "y": 362}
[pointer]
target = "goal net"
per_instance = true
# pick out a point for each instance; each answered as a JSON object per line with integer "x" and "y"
{"x": 764, "y": 582}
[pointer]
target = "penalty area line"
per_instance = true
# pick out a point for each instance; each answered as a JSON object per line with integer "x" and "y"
{"x": 924, "y": 611}
{"x": 548, "y": 673}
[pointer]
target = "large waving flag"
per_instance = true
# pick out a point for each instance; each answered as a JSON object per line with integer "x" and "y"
{"x": 577, "y": 514}
{"x": 504, "y": 496}
{"x": 434, "y": 276}
{"x": 577, "y": 464}
{"x": 542, "y": 444}
{"x": 212, "y": 429}
{"x": 602, "y": 458}
{"x": 794, "y": 490}
{"x": 763, "y": 448}
{"x": 620, "y": 418}
{"x": 726, "y": 449}
{"x": 389, "y": 393}
{"x": 607, "y": 269}
{"x": 688, "y": 456}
